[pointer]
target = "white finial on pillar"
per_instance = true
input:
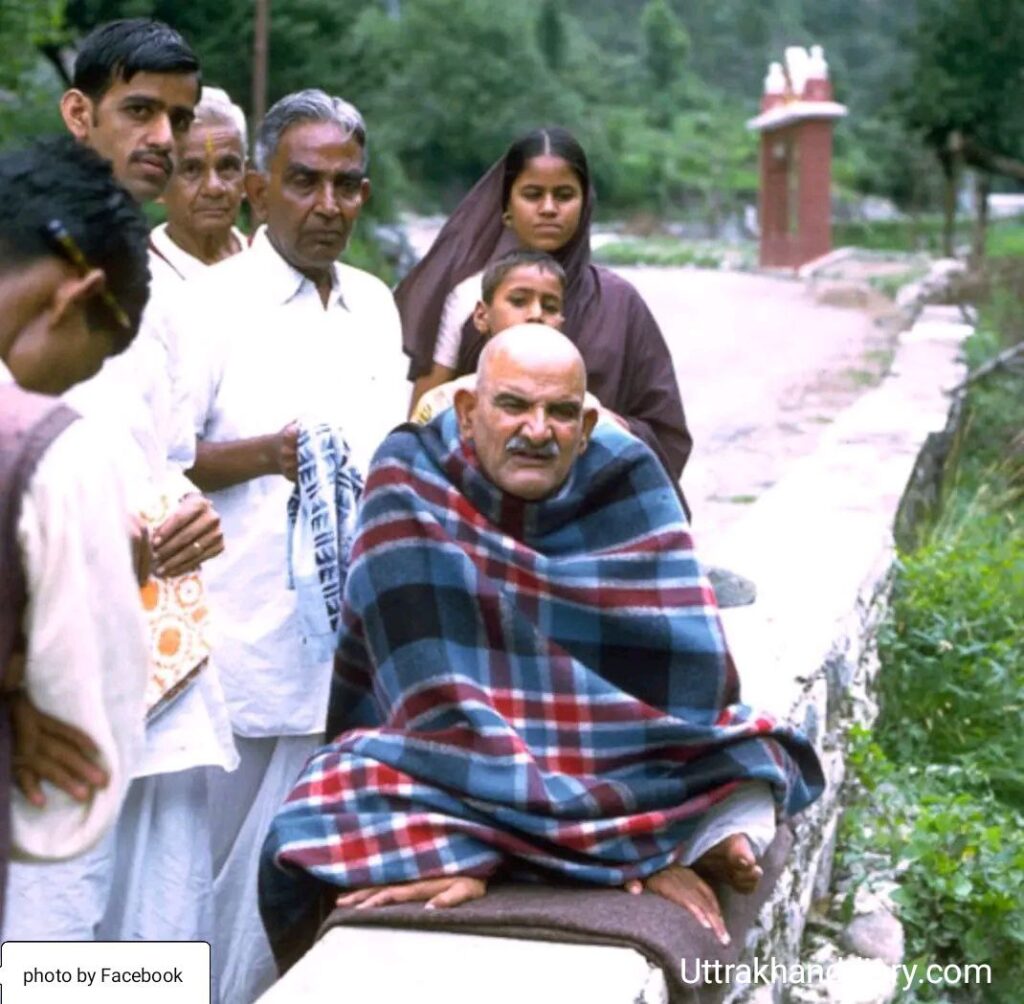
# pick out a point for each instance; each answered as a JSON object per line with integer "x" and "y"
{"x": 796, "y": 68}
{"x": 818, "y": 86}
{"x": 774, "y": 87}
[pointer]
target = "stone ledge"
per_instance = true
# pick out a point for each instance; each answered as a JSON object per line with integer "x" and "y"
{"x": 820, "y": 547}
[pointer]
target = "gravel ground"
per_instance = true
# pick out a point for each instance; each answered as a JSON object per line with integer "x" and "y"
{"x": 763, "y": 369}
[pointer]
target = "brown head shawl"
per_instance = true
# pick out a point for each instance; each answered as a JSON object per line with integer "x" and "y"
{"x": 629, "y": 368}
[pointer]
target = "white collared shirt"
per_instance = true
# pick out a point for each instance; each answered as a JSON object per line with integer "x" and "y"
{"x": 87, "y": 650}
{"x": 168, "y": 260}
{"x": 271, "y": 354}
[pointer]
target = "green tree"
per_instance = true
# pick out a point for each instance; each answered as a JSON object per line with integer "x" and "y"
{"x": 666, "y": 44}
{"x": 25, "y": 25}
{"x": 961, "y": 96}
{"x": 551, "y": 36}
{"x": 28, "y": 86}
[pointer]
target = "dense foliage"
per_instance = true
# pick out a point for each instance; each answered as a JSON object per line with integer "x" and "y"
{"x": 658, "y": 90}
{"x": 940, "y": 785}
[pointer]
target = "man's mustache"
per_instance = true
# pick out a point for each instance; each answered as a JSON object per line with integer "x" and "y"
{"x": 164, "y": 158}
{"x": 521, "y": 446}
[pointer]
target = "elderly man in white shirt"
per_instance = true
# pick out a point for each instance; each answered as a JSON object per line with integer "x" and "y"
{"x": 204, "y": 194}
{"x": 135, "y": 84}
{"x": 286, "y": 335}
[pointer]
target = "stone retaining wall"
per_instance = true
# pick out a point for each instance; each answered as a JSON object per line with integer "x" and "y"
{"x": 820, "y": 546}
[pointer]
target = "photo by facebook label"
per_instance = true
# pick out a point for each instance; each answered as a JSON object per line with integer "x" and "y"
{"x": 98, "y": 972}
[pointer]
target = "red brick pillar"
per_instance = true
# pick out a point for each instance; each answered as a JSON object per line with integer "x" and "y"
{"x": 795, "y": 210}
{"x": 814, "y": 146}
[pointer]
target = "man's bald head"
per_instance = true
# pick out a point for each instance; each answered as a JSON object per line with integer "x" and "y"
{"x": 534, "y": 349}
{"x": 527, "y": 419}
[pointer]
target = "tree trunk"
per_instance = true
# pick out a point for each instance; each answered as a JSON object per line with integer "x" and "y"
{"x": 260, "y": 45}
{"x": 949, "y": 159}
{"x": 982, "y": 186}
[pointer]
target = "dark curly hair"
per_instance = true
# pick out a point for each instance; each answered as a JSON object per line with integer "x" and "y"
{"x": 60, "y": 182}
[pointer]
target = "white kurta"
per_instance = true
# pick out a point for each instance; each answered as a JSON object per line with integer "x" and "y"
{"x": 458, "y": 308}
{"x": 141, "y": 399}
{"x": 87, "y": 648}
{"x": 151, "y": 876}
{"x": 168, "y": 261}
{"x": 271, "y": 354}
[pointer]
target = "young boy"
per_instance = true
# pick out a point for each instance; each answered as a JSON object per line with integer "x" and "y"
{"x": 522, "y": 287}
{"x": 73, "y": 282}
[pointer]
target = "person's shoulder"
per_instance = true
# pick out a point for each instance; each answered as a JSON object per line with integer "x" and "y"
{"x": 611, "y": 280}
{"x": 362, "y": 283}
{"x": 80, "y": 459}
{"x": 419, "y": 447}
{"x": 236, "y": 270}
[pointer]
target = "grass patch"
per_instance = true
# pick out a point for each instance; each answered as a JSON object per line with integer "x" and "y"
{"x": 669, "y": 252}
{"x": 922, "y": 233}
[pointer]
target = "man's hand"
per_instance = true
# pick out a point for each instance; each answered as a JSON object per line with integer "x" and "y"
{"x": 188, "y": 537}
{"x": 686, "y": 888}
{"x": 142, "y": 551}
{"x": 288, "y": 451}
{"x": 439, "y": 892}
{"x": 47, "y": 749}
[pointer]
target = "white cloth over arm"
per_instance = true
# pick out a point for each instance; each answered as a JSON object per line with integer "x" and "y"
{"x": 458, "y": 307}
{"x": 87, "y": 658}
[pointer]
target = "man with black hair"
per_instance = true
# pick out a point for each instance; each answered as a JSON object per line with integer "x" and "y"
{"x": 136, "y": 84}
{"x": 134, "y": 88}
{"x": 73, "y": 282}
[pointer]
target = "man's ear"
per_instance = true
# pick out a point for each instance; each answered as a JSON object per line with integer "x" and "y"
{"x": 256, "y": 183}
{"x": 73, "y": 294}
{"x": 76, "y": 109}
{"x": 465, "y": 406}
{"x": 480, "y": 321}
{"x": 365, "y": 190}
{"x": 589, "y": 421}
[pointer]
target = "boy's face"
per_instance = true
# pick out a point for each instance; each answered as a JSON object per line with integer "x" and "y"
{"x": 527, "y": 295}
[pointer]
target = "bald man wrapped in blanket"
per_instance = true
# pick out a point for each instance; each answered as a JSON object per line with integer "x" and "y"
{"x": 532, "y": 678}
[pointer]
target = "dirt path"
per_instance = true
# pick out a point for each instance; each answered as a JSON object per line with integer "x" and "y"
{"x": 763, "y": 369}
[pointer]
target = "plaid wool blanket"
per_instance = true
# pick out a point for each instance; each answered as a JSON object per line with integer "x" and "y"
{"x": 536, "y": 688}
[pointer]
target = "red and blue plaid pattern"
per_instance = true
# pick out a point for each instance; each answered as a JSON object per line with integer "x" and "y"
{"x": 539, "y": 687}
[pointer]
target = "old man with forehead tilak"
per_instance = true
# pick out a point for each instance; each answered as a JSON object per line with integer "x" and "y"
{"x": 205, "y": 192}
{"x": 532, "y": 679}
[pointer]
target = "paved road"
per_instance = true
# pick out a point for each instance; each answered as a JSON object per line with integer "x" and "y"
{"x": 762, "y": 368}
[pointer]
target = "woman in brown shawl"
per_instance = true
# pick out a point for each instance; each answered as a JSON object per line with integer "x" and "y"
{"x": 539, "y": 196}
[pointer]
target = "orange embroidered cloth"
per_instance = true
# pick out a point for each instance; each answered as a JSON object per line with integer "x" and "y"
{"x": 176, "y": 615}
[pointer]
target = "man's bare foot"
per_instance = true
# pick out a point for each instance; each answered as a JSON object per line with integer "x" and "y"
{"x": 684, "y": 887}
{"x": 731, "y": 861}
{"x": 439, "y": 892}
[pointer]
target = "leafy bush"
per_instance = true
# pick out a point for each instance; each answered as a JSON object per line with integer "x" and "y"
{"x": 957, "y": 851}
{"x": 953, "y": 685}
